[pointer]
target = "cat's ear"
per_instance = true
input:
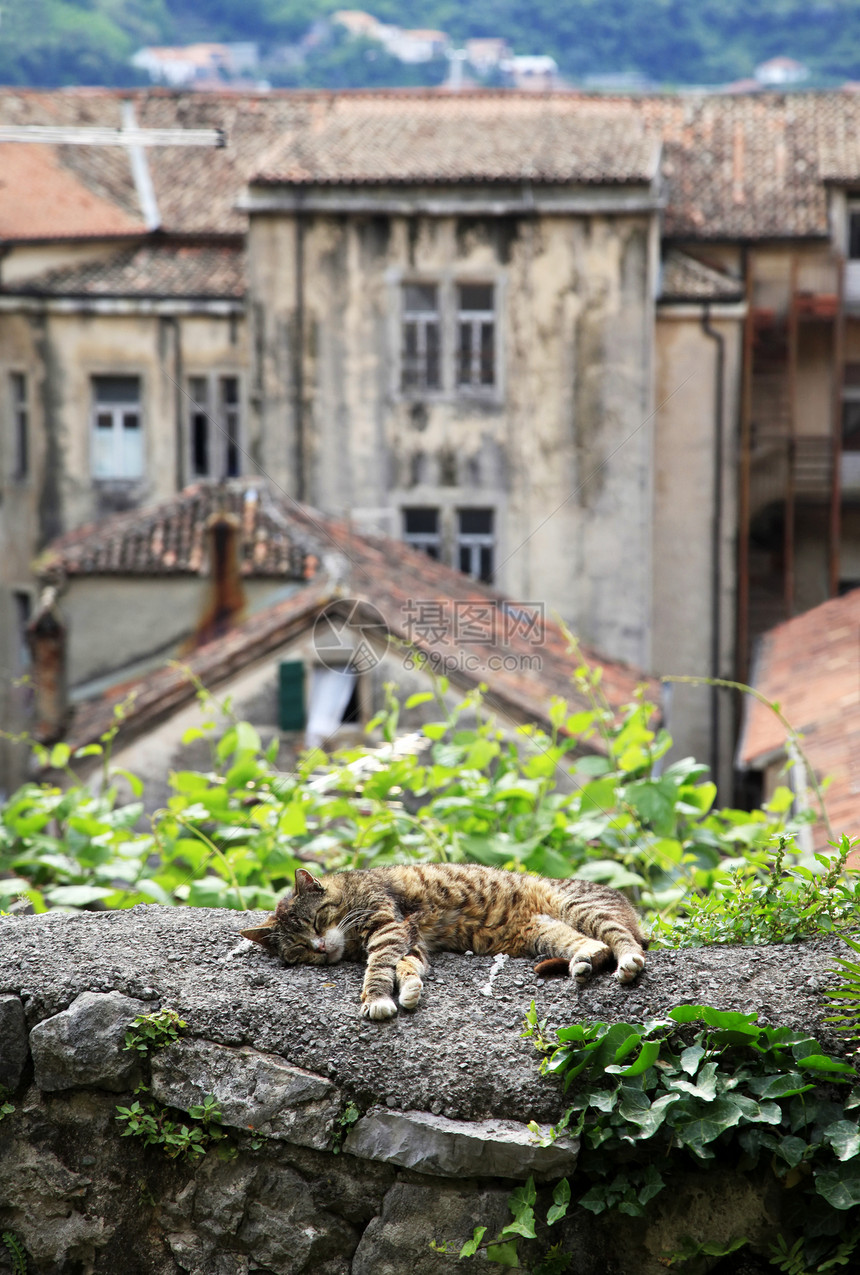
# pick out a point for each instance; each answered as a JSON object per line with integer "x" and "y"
{"x": 306, "y": 884}
{"x": 261, "y": 934}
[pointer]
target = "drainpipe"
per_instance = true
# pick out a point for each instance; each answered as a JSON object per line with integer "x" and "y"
{"x": 299, "y": 356}
{"x": 716, "y": 534}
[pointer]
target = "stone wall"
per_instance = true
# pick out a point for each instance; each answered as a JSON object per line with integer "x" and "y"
{"x": 445, "y": 1095}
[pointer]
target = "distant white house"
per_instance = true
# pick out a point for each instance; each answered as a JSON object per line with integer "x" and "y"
{"x": 484, "y": 54}
{"x": 538, "y": 72}
{"x": 418, "y": 45}
{"x": 779, "y": 71}
{"x": 182, "y": 65}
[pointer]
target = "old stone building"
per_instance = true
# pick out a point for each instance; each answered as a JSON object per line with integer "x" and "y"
{"x": 599, "y": 351}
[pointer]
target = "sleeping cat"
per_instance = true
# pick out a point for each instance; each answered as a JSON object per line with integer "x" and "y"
{"x": 396, "y": 916}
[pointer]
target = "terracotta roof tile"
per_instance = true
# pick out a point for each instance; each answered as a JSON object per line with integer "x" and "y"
{"x": 159, "y": 270}
{"x": 168, "y": 538}
{"x": 810, "y": 667}
{"x": 746, "y": 166}
{"x": 473, "y": 137}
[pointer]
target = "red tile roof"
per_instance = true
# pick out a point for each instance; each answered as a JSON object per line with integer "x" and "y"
{"x": 734, "y": 166}
{"x": 150, "y": 270}
{"x": 810, "y": 667}
{"x": 464, "y": 137}
{"x": 523, "y": 658}
{"x": 170, "y": 538}
{"x": 41, "y": 198}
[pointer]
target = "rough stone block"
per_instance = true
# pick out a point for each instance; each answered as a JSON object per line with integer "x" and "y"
{"x": 14, "y": 1049}
{"x": 261, "y": 1209}
{"x": 84, "y": 1045}
{"x": 253, "y": 1090}
{"x": 398, "y": 1241}
{"x": 459, "y": 1148}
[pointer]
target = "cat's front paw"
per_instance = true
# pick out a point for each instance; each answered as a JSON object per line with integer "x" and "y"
{"x": 410, "y": 991}
{"x": 591, "y": 956}
{"x": 380, "y": 1007}
{"x": 629, "y": 966}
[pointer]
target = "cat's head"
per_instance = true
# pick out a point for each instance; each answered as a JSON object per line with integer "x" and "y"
{"x": 293, "y": 932}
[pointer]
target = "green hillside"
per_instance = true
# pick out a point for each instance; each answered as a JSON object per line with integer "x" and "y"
{"x": 58, "y": 42}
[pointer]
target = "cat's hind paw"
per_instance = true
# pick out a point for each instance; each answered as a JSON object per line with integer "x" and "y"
{"x": 410, "y": 991}
{"x": 629, "y": 966}
{"x": 592, "y": 955}
{"x": 379, "y": 1008}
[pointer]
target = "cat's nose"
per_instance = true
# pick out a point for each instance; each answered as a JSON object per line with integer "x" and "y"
{"x": 318, "y": 945}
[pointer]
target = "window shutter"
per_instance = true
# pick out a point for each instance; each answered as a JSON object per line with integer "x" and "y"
{"x": 291, "y": 695}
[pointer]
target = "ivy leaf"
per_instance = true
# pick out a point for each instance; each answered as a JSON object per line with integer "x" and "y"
{"x": 471, "y": 1246}
{"x": 504, "y": 1254}
{"x": 561, "y": 1199}
{"x": 844, "y": 1138}
{"x": 691, "y": 1058}
{"x": 648, "y": 1055}
{"x": 841, "y": 1189}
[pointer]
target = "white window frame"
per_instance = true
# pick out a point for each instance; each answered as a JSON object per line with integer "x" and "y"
{"x": 414, "y": 368}
{"x": 117, "y": 443}
{"x": 474, "y": 321}
{"x": 474, "y": 541}
{"x": 19, "y": 400}
{"x": 223, "y": 420}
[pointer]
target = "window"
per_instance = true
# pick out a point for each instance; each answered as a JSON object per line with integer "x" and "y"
{"x": 20, "y": 461}
{"x": 117, "y": 432}
{"x": 476, "y": 543}
{"x": 214, "y": 424}
{"x": 851, "y": 408}
{"x": 420, "y": 357}
{"x": 421, "y": 530}
{"x": 23, "y": 614}
{"x": 334, "y": 702}
{"x": 853, "y": 232}
{"x": 476, "y": 336}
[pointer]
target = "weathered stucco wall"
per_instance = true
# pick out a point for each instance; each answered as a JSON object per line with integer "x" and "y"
{"x": 560, "y": 449}
{"x": 445, "y": 1095}
{"x": 685, "y": 426}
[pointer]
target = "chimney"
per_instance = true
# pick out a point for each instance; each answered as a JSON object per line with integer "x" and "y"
{"x": 226, "y": 596}
{"x": 47, "y": 640}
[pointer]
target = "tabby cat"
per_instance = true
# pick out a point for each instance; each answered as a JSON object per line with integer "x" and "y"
{"x": 396, "y": 916}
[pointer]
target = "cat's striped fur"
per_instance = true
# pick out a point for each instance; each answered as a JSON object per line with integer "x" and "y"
{"x": 396, "y": 916}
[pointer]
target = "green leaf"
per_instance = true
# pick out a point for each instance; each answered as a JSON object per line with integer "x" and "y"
{"x": 60, "y": 755}
{"x": 560, "y": 1202}
{"x": 135, "y": 783}
{"x": 691, "y": 1057}
{"x": 434, "y": 730}
{"x": 504, "y": 1254}
{"x": 76, "y": 896}
{"x": 648, "y": 1055}
{"x": 844, "y": 1138}
{"x": 471, "y": 1246}
{"x": 840, "y": 1188}
{"x": 421, "y": 697}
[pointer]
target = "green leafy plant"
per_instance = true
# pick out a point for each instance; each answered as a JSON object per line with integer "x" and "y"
{"x": 154, "y": 1031}
{"x": 768, "y": 898}
{"x": 583, "y": 798}
{"x": 846, "y": 996}
{"x": 157, "y": 1126}
{"x": 342, "y": 1125}
{"x": 503, "y": 1248}
{"x": 16, "y": 1251}
{"x": 704, "y": 1086}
